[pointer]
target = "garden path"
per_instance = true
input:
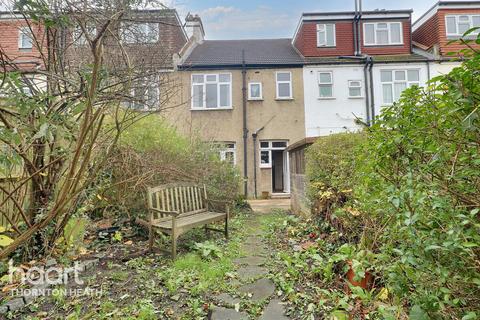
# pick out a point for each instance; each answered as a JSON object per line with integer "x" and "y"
{"x": 253, "y": 281}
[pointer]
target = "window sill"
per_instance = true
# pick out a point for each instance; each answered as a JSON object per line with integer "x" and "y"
{"x": 327, "y": 98}
{"x": 328, "y": 47}
{"x": 283, "y": 99}
{"x": 255, "y": 99}
{"x": 210, "y": 109}
{"x": 25, "y": 49}
{"x": 265, "y": 167}
{"x": 384, "y": 45}
{"x": 360, "y": 97}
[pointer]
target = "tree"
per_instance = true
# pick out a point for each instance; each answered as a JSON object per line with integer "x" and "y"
{"x": 62, "y": 119}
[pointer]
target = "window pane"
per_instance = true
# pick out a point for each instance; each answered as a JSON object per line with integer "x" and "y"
{"x": 382, "y": 26}
{"x": 382, "y": 37}
{"x": 395, "y": 32}
{"x": 399, "y": 87}
{"x": 211, "y": 78}
{"x": 279, "y": 144}
{"x": 265, "y": 157}
{"x": 325, "y": 77}
{"x": 283, "y": 76}
{"x": 463, "y": 27}
{"x": 264, "y": 144}
{"x": 355, "y": 92}
{"x": 284, "y": 90}
{"x": 387, "y": 93}
{"x": 476, "y": 22}
{"x": 413, "y": 75}
{"x": 212, "y": 96}
{"x": 255, "y": 91}
{"x": 400, "y": 75}
{"x": 224, "y": 78}
{"x": 230, "y": 157}
{"x": 330, "y": 34}
{"x": 369, "y": 33}
{"x": 386, "y": 76}
{"x": 354, "y": 84}
{"x": 320, "y": 27}
{"x": 451, "y": 25}
{"x": 321, "y": 38}
{"x": 224, "y": 95}
{"x": 197, "y": 79}
{"x": 326, "y": 91}
{"x": 198, "y": 96}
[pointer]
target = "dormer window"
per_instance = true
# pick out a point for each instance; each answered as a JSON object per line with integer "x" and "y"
{"x": 325, "y": 35}
{"x": 457, "y": 25}
{"x": 382, "y": 33}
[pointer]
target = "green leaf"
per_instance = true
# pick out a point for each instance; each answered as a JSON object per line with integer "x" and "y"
{"x": 469, "y": 244}
{"x": 5, "y": 240}
{"x": 470, "y": 316}
{"x": 417, "y": 313}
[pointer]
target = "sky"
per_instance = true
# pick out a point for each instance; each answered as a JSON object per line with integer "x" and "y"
{"x": 253, "y": 19}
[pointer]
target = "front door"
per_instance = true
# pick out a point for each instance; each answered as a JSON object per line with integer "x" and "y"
{"x": 277, "y": 171}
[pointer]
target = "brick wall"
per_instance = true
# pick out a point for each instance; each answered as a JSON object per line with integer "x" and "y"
{"x": 306, "y": 41}
{"x": 427, "y": 33}
{"x": 443, "y": 40}
{"x": 26, "y": 58}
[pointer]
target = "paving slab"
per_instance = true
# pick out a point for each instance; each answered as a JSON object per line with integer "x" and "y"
{"x": 254, "y": 249}
{"x": 250, "y": 261}
{"x": 227, "y": 299}
{"x": 220, "y": 313}
{"x": 251, "y": 272}
{"x": 260, "y": 289}
{"x": 275, "y": 310}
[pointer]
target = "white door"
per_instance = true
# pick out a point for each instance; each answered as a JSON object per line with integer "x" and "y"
{"x": 286, "y": 172}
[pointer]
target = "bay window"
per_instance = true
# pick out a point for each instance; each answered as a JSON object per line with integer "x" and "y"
{"x": 212, "y": 91}
{"x": 395, "y": 81}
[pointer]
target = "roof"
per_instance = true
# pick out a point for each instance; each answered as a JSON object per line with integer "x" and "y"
{"x": 404, "y": 58}
{"x": 445, "y": 4}
{"x": 258, "y": 53}
{"x": 301, "y": 143}
{"x": 370, "y": 12}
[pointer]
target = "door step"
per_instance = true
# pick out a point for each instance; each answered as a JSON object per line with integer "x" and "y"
{"x": 280, "y": 196}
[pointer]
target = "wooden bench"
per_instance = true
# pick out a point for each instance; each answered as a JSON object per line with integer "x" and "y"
{"x": 176, "y": 208}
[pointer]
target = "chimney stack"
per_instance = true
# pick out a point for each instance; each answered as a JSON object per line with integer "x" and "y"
{"x": 195, "y": 26}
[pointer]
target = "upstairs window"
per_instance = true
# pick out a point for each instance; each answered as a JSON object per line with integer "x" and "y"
{"x": 212, "y": 91}
{"x": 354, "y": 88}
{"x": 457, "y": 25}
{"x": 79, "y": 37}
{"x": 325, "y": 35}
{"x": 255, "y": 91}
{"x": 146, "y": 94}
{"x": 145, "y": 32}
{"x": 284, "y": 85}
{"x": 395, "y": 81}
{"x": 382, "y": 33}
{"x": 25, "y": 38}
{"x": 325, "y": 84}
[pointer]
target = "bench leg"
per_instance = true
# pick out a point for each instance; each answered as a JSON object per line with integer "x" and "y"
{"x": 226, "y": 221}
{"x": 150, "y": 238}
{"x": 174, "y": 247}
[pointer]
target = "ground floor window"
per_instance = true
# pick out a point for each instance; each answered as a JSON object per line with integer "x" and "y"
{"x": 266, "y": 148}
{"x": 227, "y": 152}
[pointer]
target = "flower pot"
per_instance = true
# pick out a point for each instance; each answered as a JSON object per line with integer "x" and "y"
{"x": 365, "y": 283}
{"x": 265, "y": 194}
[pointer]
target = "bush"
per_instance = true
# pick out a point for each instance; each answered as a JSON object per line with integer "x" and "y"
{"x": 331, "y": 164}
{"x": 152, "y": 153}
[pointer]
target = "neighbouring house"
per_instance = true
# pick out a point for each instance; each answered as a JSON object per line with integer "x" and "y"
{"x": 246, "y": 95}
{"x": 355, "y": 63}
{"x": 445, "y": 22}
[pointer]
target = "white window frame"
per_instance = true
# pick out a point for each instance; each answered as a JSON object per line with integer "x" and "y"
{"x": 290, "y": 97}
{"x": 325, "y": 84}
{"x": 389, "y": 29}
{"x": 393, "y": 82}
{"x": 269, "y": 149}
{"x": 324, "y": 43}
{"x": 24, "y": 32}
{"x": 250, "y": 84}
{"x": 360, "y": 86}
{"x": 149, "y": 83}
{"x": 225, "y": 149}
{"x": 204, "y": 85}
{"x": 457, "y": 20}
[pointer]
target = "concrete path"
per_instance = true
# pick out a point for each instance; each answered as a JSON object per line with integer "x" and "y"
{"x": 265, "y": 206}
{"x": 252, "y": 283}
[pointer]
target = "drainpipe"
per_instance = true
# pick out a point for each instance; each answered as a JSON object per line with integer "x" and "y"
{"x": 359, "y": 42}
{"x": 367, "y": 94}
{"x": 255, "y": 136}
{"x": 372, "y": 98}
{"x": 245, "y": 128}
{"x": 355, "y": 42}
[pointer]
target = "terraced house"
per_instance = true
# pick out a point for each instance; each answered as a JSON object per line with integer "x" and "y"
{"x": 246, "y": 95}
